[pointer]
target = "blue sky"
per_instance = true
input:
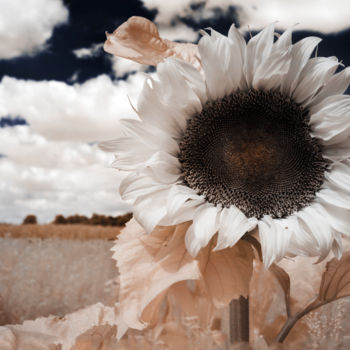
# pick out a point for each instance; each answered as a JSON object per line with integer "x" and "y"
{"x": 60, "y": 93}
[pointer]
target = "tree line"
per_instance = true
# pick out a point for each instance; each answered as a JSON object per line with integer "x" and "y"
{"x": 95, "y": 219}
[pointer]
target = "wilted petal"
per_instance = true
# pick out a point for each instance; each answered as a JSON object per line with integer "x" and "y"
{"x": 138, "y": 39}
{"x": 7, "y": 339}
{"x": 56, "y": 333}
{"x": 148, "y": 265}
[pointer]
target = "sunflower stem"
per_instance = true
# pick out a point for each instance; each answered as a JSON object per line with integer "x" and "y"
{"x": 239, "y": 320}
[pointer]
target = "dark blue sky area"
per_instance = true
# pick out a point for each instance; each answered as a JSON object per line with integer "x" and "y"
{"x": 88, "y": 21}
{"x": 10, "y": 122}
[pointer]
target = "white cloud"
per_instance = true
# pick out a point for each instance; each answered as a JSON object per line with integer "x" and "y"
{"x": 168, "y": 10}
{"x": 323, "y": 16}
{"x": 53, "y": 165}
{"x": 88, "y": 52}
{"x": 80, "y": 112}
{"x": 50, "y": 177}
{"x": 122, "y": 66}
{"x": 177, "y": 32}
{"x": 25, "y": 26}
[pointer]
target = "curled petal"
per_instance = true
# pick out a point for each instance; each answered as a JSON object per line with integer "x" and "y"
{"x": 138, "y": 39}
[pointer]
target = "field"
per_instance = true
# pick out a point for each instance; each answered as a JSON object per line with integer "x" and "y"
{"x": 67, "y": 231}
{"x": 67, "y": 271}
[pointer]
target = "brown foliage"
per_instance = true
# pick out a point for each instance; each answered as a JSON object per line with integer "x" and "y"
{"x": 96, "y": 219}
{"x": 68, "y": 231}
{"x": 30, "y": 219}
{"x": 335, "y": 282}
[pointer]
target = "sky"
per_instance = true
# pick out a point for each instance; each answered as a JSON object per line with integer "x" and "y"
{"x": 61, "y": 94}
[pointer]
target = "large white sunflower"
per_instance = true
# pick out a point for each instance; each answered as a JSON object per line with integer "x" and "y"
{"x": 258, "y": 137}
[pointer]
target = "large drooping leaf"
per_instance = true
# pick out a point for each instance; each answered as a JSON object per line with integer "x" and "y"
{"x": 226, "y": 273}
{"x": 149, "y": 264}
{"x": 335, "y": 282}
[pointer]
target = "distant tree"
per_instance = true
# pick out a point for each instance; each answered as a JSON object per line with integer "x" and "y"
{"x": 96, "y": 219}
{"x": 30, "y": 219}
{"x": 60, "y": 220}
{"x": 123, "y": 219}
{"x": 77, "y": 219}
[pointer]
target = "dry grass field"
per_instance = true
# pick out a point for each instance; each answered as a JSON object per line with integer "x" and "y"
{"x": 68, "y": 231}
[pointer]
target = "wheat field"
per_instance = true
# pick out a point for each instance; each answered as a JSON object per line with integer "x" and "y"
{"x": 68, "y": 231}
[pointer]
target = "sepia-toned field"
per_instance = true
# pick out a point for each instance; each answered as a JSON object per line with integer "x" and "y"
{"x": 67, "y": 231}
{"x": 67, "y": 271}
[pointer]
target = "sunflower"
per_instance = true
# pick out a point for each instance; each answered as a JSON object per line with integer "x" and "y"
{"x": 258, "y": 137}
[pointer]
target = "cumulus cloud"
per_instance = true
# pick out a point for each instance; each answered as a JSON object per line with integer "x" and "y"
{"x": 88, "y": 52}
{"x": 50, "y": 177}
{"x": 122, "y": 66}
{"x": 53, "y": 165}
{"x": 80, "y": 112}
{"x": 323, "y": 16}
{"x": 25, "y": 26}
{"x": 177, "y": 32}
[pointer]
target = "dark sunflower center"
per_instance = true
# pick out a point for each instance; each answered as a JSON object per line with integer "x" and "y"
{"x": 253, "y": 149}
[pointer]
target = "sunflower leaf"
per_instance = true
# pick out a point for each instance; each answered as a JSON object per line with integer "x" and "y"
{"x": 335, "y": 282}
{"x": 226, "y": 273}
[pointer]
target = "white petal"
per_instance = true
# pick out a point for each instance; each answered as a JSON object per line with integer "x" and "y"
{"x": 128, "y": 153}
{"x": 240, "y": 46}
{"x": 238, "y": 39}
{"x": 334, "y": 196}
{"x": 327, "y": 104}
{"x": 182, "y": 214}
{"x": 164, "y": 167}
{"x": 339, "y": 176}
{"x": 315, "y": 74}
{"x": 301, "y": 52}
{"x": 337, "y": 152}
{"x": 205, "y": 225}
{"x": 192, "y": 243}
{"x": 332, "y": 122}
{"x": 258, "y": 49}
{"x": 149, "y": 209}
{"x": 335, "y": 86}
{"x": 168, "y": 103}
{"x": 233, "y": 225}
{"x": 284, "y": 42}
{"x": 274, "y": 240}
{"x": 178, "y": 196}
{"x": 270, "y": 74}
{"x": 315, "y": 225}
{"x": 338, "y": 218}
{"x": 136, "y": 184}
{"x": 149, "y": 135}
{"x": 193, "y": 78}
{"x": 222, "y": 64}
{"x": 178, "y": 88}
